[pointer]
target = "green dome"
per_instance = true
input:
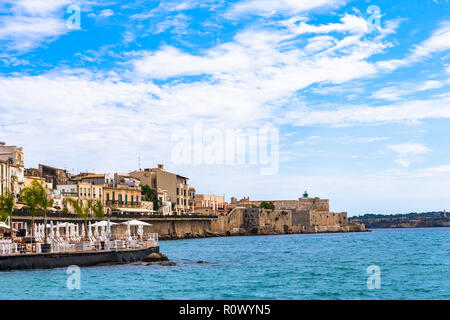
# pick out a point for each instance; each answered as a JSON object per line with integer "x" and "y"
{"x": 305, "y": 195}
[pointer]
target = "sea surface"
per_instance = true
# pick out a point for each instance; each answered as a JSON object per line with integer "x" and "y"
{"x": 413, "y": 264}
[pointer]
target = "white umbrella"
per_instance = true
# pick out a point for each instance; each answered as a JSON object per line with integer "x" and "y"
{"x": 128, "y": 231}
{"x": 57, "y": 230}
{"x": 136, "y": 223}
{"x": 52, "y": 234}
{"x": 103, "y": 223}
{"x": 108, "y": 229}
{"x": 89, "y": 230}
{"x": 4, "y": 225}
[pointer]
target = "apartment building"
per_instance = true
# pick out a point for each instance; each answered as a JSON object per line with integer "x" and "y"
{"x": 209, "y": 204}
{"x": 13, "y": 157}
{"x": 5, "y": 178}
{"x": 174, "y": 186}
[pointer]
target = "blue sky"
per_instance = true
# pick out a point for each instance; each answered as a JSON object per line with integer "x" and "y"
{"x": 362, "y": 110}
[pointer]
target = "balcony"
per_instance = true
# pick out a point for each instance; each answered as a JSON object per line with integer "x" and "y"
{"x": 122, "y": 204}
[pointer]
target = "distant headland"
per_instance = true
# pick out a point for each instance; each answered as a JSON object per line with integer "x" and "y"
{"x": 408, "y": 220}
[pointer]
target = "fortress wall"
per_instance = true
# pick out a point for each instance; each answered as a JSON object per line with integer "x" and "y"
{"x": 229, "y": 223}
{"x": 278, "y": 221}
{"x": 300, "y": 204}
{"x": 321, "y": 218}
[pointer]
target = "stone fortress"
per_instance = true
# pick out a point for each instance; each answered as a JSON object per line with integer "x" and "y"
{"x": 305, "y": 215}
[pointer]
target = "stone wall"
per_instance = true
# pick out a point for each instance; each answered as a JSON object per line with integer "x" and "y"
{"x": 300, "y": 204}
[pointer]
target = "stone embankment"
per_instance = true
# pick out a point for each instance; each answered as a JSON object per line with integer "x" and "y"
{"x": 255, "y": 221}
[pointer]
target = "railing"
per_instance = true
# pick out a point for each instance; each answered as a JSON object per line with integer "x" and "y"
{"x": 150, "y": 240}
{"x": 50, "y": 214}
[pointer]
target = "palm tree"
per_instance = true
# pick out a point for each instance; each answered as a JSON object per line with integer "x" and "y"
{"x": 33, "y": 196}
{"x": 98, "y": 209}
{"x": 84, "y": 209}
{"x": 7, "y": 205}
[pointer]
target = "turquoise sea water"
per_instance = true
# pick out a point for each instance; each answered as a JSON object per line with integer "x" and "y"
{"x": 414, "y": 263}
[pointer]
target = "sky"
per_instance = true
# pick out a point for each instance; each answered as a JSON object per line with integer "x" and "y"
{"x": 348, "y": 100}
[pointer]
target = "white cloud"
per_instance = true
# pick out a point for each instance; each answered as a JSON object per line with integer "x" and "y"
{"x": 411, "y": 112}
{"x": 439, "y": 41}
{"x": 398, "y": 91}
{"x": 408, "y": 152}
{"x": 410, "y": 148}
{"x": 269, "y": 7}
{"x": 106, "y": 13}
{"x": 349, "y": 23}
{"x": 32, "y": 22}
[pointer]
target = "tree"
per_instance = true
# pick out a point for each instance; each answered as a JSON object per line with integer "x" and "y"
{"x": 267, "y": 205}
{"x": 34, "y": 197}
{"x": 149, "y": 194}
{"x": 98, "y": 209}
{"x": 84, "y": 209}
{"x": 7, "y": 204}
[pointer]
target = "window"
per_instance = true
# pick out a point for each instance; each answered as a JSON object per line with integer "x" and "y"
{"x": 107, "y": 197}
{"x": 137, "y": 199}
{"x": 126, "y": 199}
{"x": 132, "y": 199}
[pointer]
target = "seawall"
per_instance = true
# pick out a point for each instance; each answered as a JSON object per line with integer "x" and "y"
{"x": 240, "y": 221}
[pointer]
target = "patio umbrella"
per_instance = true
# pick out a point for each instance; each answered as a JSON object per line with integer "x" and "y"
{"x": 103, "y": 223}
{"x": 89, "y": 230}
{"x": 136, "y": 223}
{"x": 52, "y": 234}
{"x": 4, "y": 225}
{"x": 108, "y": 229}
{"x": 128, "y": 231}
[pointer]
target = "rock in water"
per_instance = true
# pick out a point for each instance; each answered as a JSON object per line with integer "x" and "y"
{"x": 164, "y": 257}
{"x": 152, "y": 257}
{"x": 201, "y": 261}
{"x": 168, "y": 264}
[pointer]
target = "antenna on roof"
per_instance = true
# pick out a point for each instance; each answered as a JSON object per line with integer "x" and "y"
{"x": 139, "y": 163}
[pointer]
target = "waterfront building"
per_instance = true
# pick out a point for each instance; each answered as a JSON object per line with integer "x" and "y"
{"x": 5, "y": 177}
{"x": 178, "y": 191}
{"x": 97, "y": 179}
{"x": 209, "y": 204}
{"x": 53, "y": 175}
{"x": 13, "y": 156}
{"x": 122, "y": 193}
